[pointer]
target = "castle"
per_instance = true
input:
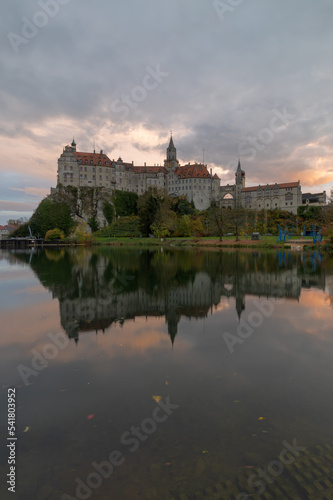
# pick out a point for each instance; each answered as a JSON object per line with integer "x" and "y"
{"x": 192, "y": 181}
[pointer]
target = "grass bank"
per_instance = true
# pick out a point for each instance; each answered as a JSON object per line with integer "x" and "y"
{"x": 229, "y": 241}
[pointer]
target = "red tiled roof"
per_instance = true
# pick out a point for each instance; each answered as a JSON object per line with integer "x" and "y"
{"x": 196, "y": 170}
{"x": 93, "y": 159}
{"x": 271, "y": 186}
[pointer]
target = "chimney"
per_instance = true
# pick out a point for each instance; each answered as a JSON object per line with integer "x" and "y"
{"x": 101, "y": 152}
{"x": 145, "y": 163}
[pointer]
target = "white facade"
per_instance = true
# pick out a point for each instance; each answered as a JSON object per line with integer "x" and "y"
{"x": 193, "y": 182}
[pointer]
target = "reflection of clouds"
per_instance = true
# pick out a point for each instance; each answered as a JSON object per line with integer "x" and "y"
{"x": 135, "y": 337}
{"x": 312, "y": 316}
{"x": 223, "y": 305}
{"x": 31, "y": 290}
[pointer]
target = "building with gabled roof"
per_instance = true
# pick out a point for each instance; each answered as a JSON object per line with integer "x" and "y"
{"x": 192, "y": 181}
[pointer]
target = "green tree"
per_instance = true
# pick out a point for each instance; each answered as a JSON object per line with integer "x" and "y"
{"x": 165, "y": 222}
{"x": 93, "y": 223}
{"x": 125, "y": 203}
{"x": 236, "y": 219}
{"x": 148, "y": 205}
{"x": 108, "y": 212}
{"x": 48, "y": 215}
{"x": 184, "y": 226}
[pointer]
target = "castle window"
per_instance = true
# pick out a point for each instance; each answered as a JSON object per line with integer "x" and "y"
{"x": 71, "y": 168}
{"x": 94, "y": 177}
{"x": 80, "y": 169}
{"x": 86, "y": 161}
{"x": 85, "y": 177}
{"x": 94, "y": 170}
{"x": 91, "y": 161}
{"x": 100, "y": 170}
{"x": 65, "y": 167}
{"x": 100, "y": 177}
{"x": 85, "y": 169}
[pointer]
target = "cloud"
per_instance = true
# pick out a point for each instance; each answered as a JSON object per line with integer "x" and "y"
{"x": 225, "y": 79}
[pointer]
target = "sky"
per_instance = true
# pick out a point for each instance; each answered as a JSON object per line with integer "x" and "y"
{"x": 232, "y": 79}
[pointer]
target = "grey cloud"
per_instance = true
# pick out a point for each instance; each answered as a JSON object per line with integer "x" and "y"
{"x": 225, "y": 78}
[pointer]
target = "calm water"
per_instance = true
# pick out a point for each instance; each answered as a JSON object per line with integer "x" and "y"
{"x": 190, "y": 370}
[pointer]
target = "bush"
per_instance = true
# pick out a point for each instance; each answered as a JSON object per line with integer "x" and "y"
{"x": 93, "y": 223}
{"x": 122, "y": 227}
{"x": 54, "y": 234}
{"x": 81, "y": 233}
{"x": 108, "y": 212}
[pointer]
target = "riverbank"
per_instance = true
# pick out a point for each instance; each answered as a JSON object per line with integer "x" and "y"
{"x": 228, "y": 242}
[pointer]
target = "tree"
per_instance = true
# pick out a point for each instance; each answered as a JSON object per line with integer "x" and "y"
{"x": 165, "y": 222}
{"x": 48, "y": 215}
{"x": 183, "y": 207}
{"x": 17, "y": 222}
{"x": 93, "y": 223}
{"x": 236, "y": 219}
{"x": 125, "y": 203}
{"x": 54, "y": 234}
{"x": 185, "y": 226}
{"x": 148, "y": 205}
{"x": 217, "y": 217}
{"x": 108, "y": 212}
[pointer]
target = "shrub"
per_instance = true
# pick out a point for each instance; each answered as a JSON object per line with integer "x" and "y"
{"x": 54, "y": 234}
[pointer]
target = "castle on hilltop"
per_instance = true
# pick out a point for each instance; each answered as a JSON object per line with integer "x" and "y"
{"x": 192, "y": 181}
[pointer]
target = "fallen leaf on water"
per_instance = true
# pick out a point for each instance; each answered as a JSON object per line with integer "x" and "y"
{"x": 262, "y": 418}
{"x": 27, "y": 429}
{"x": 166, "y": 382}
{"x": 236, "y": 401}
{"x": 248, "y": 466}
{"x": 168, "y": 463}
{"x": 157, "y": 398}
{"x": 204, "y": 451}
{"x": 89, "y": 417}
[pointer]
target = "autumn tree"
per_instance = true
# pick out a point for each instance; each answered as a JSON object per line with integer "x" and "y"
{"x": 236, "y": 219}
{"x": 148, "y": 205}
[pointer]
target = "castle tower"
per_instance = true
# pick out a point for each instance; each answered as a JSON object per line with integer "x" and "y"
{"x": 240, "y": 183}
{"x": 171, "y": 162}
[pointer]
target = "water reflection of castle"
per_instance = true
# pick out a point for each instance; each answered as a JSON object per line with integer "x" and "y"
{"x": 193, "y": 299}
{"x": 97, "y": 289}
